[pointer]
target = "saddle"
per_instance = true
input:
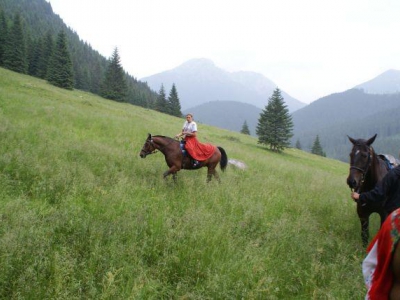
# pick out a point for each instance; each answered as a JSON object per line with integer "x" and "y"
{"x": 391, "y": 161}
{"x": 194, "y": 163}
{"x": 182, "y": 146}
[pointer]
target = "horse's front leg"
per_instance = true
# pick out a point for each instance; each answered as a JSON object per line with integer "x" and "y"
{"x": 172, "y": 170}
{"x": 364, "y": 231}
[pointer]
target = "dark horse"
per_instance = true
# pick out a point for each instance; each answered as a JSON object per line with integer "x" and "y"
{"x": 366, "y": 169}
{"x": 176, "y": 160}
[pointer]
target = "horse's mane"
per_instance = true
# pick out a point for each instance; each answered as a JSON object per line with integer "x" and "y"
{"x": 164, "y": 137}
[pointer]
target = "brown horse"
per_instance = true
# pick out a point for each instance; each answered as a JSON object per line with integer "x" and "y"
{"x": 176, "y": 160}
{"x": 366, "y": 169}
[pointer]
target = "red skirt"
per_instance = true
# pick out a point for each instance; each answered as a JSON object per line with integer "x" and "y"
{"x": 377, "y": 265}
{"x": 198, "y": 150}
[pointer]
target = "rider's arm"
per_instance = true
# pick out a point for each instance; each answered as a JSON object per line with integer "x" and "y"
{"x": 375, "y": 195}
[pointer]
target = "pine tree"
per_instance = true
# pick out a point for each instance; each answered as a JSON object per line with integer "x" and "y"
{"x": 245, "y": 128}
{"x": 96, "y": 77}
{"x": 275, "y": 124}
{"x": 3, "y": 36}
{"x": 317, "y": 148}
{"x": 46, "y": 51}
{"x": 34, "y": 54}
{"x": 15, "y": 51}
{"x": 174, "y": 106}
{"x": 161, "y": 103}
{"x": 60, "y": 69}
{"x": 114, "y": 86}
{"x": 298, "y": 144}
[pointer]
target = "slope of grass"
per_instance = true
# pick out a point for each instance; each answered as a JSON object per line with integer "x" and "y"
{"x": 82, "y": 216}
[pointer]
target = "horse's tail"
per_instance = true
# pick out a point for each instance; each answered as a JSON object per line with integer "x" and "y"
{"x": 224, "y": 159}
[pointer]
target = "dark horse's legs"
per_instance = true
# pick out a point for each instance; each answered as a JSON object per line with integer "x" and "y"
{"x": 364, "y": 231}
{"x": 365, "y": 226}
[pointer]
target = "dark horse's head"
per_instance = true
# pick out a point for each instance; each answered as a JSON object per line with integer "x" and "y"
{"x": 361, "y": 156}
{"x": 148, "y": 147}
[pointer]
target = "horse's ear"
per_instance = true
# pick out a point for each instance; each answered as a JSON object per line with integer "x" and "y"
{"x": 371, "y": 140}
{"x": 149, "y": 136}
{"x": 353, "y": 141}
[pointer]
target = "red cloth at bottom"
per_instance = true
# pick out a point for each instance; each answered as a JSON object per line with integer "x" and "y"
{"x": 198, "y": 150}
{"x": 378, "y": 262}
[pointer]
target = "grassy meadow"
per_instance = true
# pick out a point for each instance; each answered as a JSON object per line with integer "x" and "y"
{"x": 82, "y": 216}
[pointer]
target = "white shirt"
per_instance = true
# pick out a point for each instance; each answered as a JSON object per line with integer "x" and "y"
{"x": 189, "y": 127}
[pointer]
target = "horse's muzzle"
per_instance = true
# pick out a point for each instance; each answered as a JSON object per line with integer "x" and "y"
{"x": 142, "y": 155}
{"x": 352, "y": 183}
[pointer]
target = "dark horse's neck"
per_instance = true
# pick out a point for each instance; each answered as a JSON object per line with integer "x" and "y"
{"x": 373, "y": 175}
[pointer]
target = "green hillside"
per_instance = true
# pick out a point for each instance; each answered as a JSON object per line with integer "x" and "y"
{"x": 84, "y": 217}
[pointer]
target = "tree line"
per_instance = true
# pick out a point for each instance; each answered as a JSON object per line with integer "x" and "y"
{"x": 66, "y": 62}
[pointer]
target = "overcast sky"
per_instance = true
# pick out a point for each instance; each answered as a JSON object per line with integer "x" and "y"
{"x": 309, "y": 48}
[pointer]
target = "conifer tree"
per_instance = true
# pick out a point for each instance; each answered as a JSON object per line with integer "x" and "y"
{"x": 46, "y": 51}
{"x": 34, "y": 54}
{"x": 161, "y": 103}
{"x": 60, "y": 69}
{"x": 317, "y": 148}
{"x": 275, "y": 124}
{"x": 114, "y": 86}
{"x": 245, "y": 128}
{"x": 15, "y": 51}
{"x": 96, "y": 77}
{"x": 174, "y": 106}
{"x": 3, "y": 35}
{"x": 298, "y": 144}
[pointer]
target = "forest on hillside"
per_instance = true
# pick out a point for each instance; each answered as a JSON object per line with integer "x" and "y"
{"x": 28, "y": 33}
{"x": 354, "y": 113}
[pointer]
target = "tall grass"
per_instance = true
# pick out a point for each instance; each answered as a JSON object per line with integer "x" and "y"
{"x": 82, "y": 216}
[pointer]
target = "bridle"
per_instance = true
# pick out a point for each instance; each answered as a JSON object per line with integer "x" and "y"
{"x": 366, "y": 167}
{"x": 151, "y": 145}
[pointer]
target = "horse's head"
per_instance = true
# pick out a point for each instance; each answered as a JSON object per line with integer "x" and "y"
{"x": 148, "y": 147}
{"x": 361, "y": 156}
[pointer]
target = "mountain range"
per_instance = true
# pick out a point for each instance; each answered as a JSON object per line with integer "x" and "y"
{"x": 354, "y": 113}
{"x": 199, "y": 81}
{"x": 386, "y": 83}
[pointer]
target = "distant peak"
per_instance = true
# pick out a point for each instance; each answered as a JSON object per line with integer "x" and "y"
{"x": 390, "y": 72}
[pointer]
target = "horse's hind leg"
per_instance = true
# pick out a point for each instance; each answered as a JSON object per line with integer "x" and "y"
{"x": 211, "y": 173}
{"x": 216, "y": 175}
{"x": 209, "y": 176}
